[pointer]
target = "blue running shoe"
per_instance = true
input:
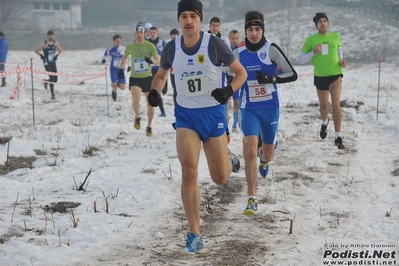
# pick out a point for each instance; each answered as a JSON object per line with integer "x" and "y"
{"x": 252, "y": 207}
{"x": 263, "y": 166}
{"x": 194, "y": 243}
{"x": 235, "y": 161}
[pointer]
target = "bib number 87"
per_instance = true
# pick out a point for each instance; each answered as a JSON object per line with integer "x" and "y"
{"x": 191, "y": 85}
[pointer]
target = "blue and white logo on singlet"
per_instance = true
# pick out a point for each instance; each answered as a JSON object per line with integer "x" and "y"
{"x": 190, "y": 62}
{"x": 191, "y": 73}
{"x": 263, "y": 55}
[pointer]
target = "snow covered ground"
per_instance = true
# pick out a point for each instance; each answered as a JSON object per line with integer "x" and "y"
{"x": 130, "y": 212}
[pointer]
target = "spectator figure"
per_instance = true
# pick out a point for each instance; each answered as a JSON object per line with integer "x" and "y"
{"x": 3, "y": 56}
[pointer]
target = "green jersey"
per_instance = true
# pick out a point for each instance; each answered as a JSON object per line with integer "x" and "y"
{"x": 137, "y": 52}
{"x": 326, "y": 63}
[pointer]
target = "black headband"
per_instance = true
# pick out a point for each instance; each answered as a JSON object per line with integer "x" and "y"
{"x": 255, "y": 22}
{"x": 189, "y": 5}
{"x": 318, "y": 16}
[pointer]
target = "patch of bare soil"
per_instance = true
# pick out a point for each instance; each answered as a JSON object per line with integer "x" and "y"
{"x": 14, "y": 163}
{"x": 61, "y": 207}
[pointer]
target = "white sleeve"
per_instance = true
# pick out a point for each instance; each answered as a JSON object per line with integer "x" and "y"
{"x": 340, "y": 53}
{"x": 104, "y": 56}
{"x": 304, "y": 58}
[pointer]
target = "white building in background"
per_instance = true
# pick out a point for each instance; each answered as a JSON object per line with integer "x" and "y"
{"x": 52, "y": 14}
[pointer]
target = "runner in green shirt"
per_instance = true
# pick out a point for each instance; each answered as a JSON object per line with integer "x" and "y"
{"x": 324, "y": 49}
{"x": 140, "y": 52}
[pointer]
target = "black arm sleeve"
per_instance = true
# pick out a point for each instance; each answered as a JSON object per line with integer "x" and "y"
{"x": 288, "y": 72}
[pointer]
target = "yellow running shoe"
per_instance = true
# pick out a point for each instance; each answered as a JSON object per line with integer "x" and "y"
{"x": 252, "y": 207}
{"x": 148, "y": 131}
{"x": 137, "y": 123}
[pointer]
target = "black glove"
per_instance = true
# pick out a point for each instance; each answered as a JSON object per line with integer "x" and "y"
{"x": 263, "y": 79}
{"x": 103, "y": 61}
{"x": 42, "y": 57}
{"x": 148, "y": 60}
{"x": 154, "y": 98}
{"x": 55, "y": 57}
{"x": 129, "y": 68}
{"x": 222, "y": 95}
{"x": 121, "y": 75}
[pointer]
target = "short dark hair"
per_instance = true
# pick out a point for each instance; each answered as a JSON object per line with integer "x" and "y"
{"x": 50, "y": 32}
{"x": 1, "y": 34}
{"x": 173, "y": 32}
{"x": 233, "y": 32}
{"x": 117, "y": 36}
{"x": 154, "y": 28}
{"x": 214, "y": 19}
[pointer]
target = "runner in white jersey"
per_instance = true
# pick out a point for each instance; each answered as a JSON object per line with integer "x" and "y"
{"x": 197, "y": 58}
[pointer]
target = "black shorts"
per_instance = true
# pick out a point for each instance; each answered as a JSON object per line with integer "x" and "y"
{"x": 322, "y": 83}
{"x": 51, "y": 68}
{"x": 143, "y": 83}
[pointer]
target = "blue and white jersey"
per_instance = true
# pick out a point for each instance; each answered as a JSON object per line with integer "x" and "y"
{"x": 159, "y": 44}
{"x": 255, "y": 95}
{"x": 116, "y": 54}
{"x": 196, "y": 76}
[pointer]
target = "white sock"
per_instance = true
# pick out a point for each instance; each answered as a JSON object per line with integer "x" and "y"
{"x": 253, "y": 197}
{"x": 337, "y": 134}
{"x": 325, "y": 122}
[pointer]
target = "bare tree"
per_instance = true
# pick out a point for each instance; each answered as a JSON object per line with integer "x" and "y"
{"x": 9, "y": 10}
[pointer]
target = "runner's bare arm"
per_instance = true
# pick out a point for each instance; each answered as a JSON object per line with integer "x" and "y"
{"x": 240, "y": 75}
{"x": 59, "y": 48}
{"x": 40, "y": 47}
{"x": 124, "y": 60}
{"x": 157, "y": 60}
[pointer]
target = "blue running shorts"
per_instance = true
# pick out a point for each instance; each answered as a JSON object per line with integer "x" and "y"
{"x": 114, "y": 76}
{"x": 207, "y": 122}
{"x": 265, "y": 120}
